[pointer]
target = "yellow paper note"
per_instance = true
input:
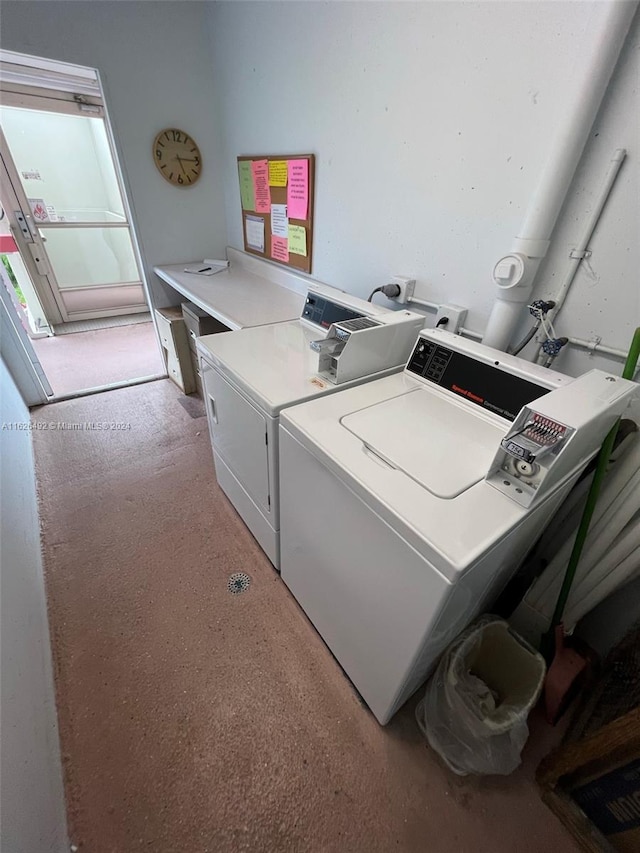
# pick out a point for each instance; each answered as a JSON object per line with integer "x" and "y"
{"x": 277, "y": 173}
{"x": 298, "y": 240}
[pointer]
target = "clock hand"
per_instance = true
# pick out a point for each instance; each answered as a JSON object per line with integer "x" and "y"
{"x": 179, "y": 159}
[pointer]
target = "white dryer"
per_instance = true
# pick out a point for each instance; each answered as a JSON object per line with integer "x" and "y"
{"x": 250, "y": 375}
{"x": 406, "y": 504}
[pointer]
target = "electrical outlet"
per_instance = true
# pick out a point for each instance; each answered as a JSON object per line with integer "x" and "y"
{"x": 456, "y": 315}
{"x": 406, "y": 285}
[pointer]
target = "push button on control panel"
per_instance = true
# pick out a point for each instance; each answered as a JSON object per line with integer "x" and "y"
{"x": 488, "y": 385}
{"x": 421, "y": 356}
{"x": 324, "y": 312}
{"x": 429, "y": 360}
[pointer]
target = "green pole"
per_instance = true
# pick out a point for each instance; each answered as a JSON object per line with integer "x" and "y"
{"x": 547, "y": 643}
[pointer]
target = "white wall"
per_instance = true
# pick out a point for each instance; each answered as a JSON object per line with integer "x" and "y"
{"x": 155, "y": 67}
{"x": 31, "y": 793}
{"x": 431, "y": 123}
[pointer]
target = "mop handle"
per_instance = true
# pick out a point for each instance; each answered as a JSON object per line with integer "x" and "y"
{"x": 592, "y": 498}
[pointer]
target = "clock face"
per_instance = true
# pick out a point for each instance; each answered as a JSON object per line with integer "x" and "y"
{"x": 177, "y": 157}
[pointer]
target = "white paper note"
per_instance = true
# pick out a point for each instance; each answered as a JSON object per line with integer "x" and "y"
{"x": 254, "y": 226}
{"x": 279, "y": 221}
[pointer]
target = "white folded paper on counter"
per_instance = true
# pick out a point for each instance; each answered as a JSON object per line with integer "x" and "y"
{"x": 210, "y": 266}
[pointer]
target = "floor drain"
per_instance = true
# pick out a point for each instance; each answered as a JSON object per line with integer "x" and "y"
{"x": 238, "y": 582}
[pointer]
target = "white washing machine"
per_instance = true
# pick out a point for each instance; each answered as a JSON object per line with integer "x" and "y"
{"x": 406, "y": 504}
{"x": 249, "y": 376}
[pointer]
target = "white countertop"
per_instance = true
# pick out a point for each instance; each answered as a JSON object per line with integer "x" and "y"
{"x": 240, "y": 296}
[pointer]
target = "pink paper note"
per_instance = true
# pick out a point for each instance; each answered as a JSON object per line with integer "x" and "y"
{"x": 260, "y": 171}
{"x": 279, "y": 248}
{"x": 298, "y": 189}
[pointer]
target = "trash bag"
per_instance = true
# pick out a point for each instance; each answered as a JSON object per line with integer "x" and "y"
{"x": 474, "y": 712}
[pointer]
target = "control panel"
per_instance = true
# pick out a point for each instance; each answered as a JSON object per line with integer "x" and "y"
{"x": 553, "y": 438}
{"x": 538, "y": 435}
{"x": 489, "y": 386}
{"x": 530, "y": 449}
{"x": 331, "y": 348}
{"x": 364, "y": 346}
{"x": 323, "y": 312}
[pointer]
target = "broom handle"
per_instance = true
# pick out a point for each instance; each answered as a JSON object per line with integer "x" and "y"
{"x": 592, "y": 498}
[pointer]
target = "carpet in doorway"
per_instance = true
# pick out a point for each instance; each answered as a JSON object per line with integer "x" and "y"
{"x": 193, "y": 719}
{"x": 101, "y": 323}
{"x": 91, "y": 359}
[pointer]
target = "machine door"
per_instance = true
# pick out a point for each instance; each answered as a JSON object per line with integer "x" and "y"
{"x": 444, "y": 445}
{"x": 239, "y": 436}
{"x": 373, "y": 598}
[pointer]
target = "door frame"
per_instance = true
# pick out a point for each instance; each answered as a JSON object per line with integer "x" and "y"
{"x": 18, "y": 353}
{"x": 15, "y": 203}
{"x": 25, "y": 373}
{"x": 33, "y": 250}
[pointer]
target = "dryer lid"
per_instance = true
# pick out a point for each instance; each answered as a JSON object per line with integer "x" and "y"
{"x": 442, "y": 444}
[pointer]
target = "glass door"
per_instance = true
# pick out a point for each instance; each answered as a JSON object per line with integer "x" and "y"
{"x": 70, "y": 215}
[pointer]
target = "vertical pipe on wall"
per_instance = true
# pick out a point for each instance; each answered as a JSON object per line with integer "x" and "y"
{"x": 579, "y": 253}
{"x": 515, "y": 273}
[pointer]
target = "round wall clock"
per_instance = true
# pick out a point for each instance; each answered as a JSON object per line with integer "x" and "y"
{"x": 177, "y": 157}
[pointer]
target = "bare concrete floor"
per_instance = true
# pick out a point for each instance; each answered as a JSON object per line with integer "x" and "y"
{"x": 196, "y": 720}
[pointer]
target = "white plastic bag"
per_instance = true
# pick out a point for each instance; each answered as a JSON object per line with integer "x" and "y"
{"x": 474, "y": 712}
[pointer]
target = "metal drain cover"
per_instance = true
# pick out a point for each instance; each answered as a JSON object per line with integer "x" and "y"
{"x": 238, "y": 582}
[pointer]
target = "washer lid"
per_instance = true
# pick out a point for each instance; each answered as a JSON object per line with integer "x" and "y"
{"x": 442, "y": 444}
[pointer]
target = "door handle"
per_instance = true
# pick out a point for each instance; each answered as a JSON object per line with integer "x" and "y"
{"x": 212, "y": 409}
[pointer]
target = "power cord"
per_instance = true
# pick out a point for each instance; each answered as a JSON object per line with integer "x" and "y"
{"x": 391, "y": 291}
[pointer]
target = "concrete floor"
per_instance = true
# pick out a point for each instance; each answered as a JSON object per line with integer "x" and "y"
{"x": 90, "y": 359}
{"x": 196, "y": 720}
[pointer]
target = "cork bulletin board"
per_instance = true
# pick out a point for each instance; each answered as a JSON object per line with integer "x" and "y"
{"x": 276, "y": 193}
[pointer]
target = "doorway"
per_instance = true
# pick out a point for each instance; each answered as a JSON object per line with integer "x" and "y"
{"x": 72, "y": 259}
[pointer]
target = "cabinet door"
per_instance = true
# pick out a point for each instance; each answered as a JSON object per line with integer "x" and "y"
{"x": 239, "y": 436}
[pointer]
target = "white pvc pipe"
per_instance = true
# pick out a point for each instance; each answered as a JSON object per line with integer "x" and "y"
{"x": 597, "y": 347}
{"x": 599, "y": 576}
{"x": 592, "y": 346}
{"x": 432, "y": 306}
{"x": 532, "y": 242}
{"x": 469, "y": 333}
{"x": 577, "y": 256}
{"x": 502, "y": 322}
{"x": 589, "y": 571}
{"x": 621, "y": 480}
{"x": 570, "y": 138}
{"x": 613, "y": 522}
{"x": 620, "y": 574}
{"x": 600, "y": 539}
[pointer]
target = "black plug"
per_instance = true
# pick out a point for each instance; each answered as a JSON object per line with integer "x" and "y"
{"x": 391, "y": 291}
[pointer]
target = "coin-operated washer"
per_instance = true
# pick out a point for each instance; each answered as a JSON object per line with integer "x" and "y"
{"x": 251, "y": 375}
{"x": 406, "y": 504}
